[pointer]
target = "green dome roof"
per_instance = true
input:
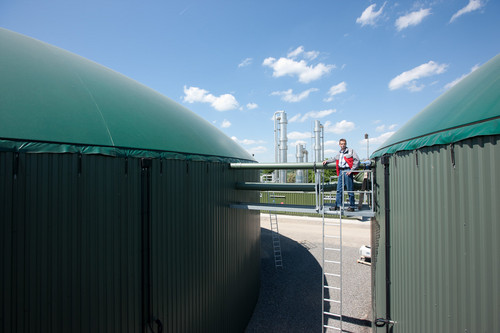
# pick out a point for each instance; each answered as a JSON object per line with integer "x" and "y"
{"x": 52, "y": 96}
{"x": 471, "y": 108}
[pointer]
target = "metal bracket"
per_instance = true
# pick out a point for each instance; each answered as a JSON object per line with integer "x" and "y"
{"x": 381, "y": 322}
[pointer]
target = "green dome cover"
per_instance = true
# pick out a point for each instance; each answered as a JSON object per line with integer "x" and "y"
{"x": 471, "y": 108}
{"x": 53, "y": 100}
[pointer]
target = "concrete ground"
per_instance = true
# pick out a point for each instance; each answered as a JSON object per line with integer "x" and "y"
{"x": 290, "y": 298}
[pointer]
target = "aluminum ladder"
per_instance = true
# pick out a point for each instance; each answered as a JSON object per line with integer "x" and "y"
{"x": 278, "y": 260}
{"x": 332, "y": 271}
{"x": 275, "y": 234}
{"x": 332, "y": 276}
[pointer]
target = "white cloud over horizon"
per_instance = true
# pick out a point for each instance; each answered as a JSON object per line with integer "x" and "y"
{"x": 289, "y": 96}
{"x": 311, "y": 115}
{"x": 378, "y": 140}
{"x": 257, "y": 150}
{"x": 299, "y": 135}
{"x": 413, "y": 18}
{"x": 409, "y": 78}
{"x": 224, "y": 102}
{"x": 225, "y": 124}
{"x": 335, "y": 90}
{"x": 471, "y": 6}
{"x": 291, "y": 66}
{"x": 370, "y": 16}
{"x": 247, "y": 141}
{"x": 340, "y": 127}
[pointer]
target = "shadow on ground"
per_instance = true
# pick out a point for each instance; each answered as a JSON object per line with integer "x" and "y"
{"x": 290, "y": 298}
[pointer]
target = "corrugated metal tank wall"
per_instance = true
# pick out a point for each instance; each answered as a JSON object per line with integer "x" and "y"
{"x": 73, "y": 245}
{"x": 444, "y": 231}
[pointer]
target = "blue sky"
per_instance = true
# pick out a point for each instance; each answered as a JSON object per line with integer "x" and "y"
{"x": 357, "y": 66}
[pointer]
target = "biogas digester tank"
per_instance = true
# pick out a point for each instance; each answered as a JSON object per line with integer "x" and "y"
{"x": 114, "y": 204}
{"x": 436, "y": 229}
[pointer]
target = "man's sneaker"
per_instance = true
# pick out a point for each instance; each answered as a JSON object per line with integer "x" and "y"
{"x": 350, "y": 209}
{"x": 334, "y": 208}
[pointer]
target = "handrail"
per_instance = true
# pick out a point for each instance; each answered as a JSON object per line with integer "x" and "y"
{"x": 302, "y": 187}
{"x": 276, "y": 166}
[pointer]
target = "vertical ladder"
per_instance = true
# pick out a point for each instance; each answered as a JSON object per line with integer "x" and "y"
{"x": 278, "y": 260}
{"x": 273, "y": 219}
{"x": 332, "y": 275}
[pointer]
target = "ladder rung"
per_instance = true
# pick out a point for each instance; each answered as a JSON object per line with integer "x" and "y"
{"x": 331, "y": 274}
{"x": 332, "y": 327}
{"x": 331, "y": 300}
{"x": 332, "y": 314}
{"x": 333, "y": 261}
{"x": 336, "y": 288}
{"x": 331, "y": 249}
{"x": 333, "y": 224}
{"x": 332, "y": 236}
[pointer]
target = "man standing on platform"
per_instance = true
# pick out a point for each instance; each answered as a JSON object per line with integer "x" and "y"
{"x": 346, "y": 161}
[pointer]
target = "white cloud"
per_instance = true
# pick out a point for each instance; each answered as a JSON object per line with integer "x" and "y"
{"x": 412, "y": 18}
{"x": 471, "y": 6}
{"x": 247, "y": 141}
{"x": 251, "y": 106}
{"x": 299, "y": 135}
{"x": 335, "y": 90}
{"x": 330, "y": 152}
{"x": 311, "y": 55}
{"x": 311, "y": 114}
{"x": 378, "y": 140}
{"x": 383, "y": 128}
{"x": 300, "y": 68}
{"x": 295, "y": 118}
{"x": 369, "y": 16}
{"x": 257, "y": 150}
{"x": 340, "y": 127}
{"x": 409, "y": 78}
{"x": 224, "y": 102}
{"x": 245, "y": 62}
{"x": 454, "y": 82}
{"x": 331, "y": 143}
{"x": 225, "y": 124}
{"x": 288, "y": 95}
{"x": 298, "y": 142}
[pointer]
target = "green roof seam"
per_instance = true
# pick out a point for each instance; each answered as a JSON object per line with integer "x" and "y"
{"x": 448, "y": 136}
{"x": 57, "y": 148}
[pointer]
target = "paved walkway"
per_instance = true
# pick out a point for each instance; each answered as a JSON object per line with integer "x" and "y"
{"x": 290, "y": 299}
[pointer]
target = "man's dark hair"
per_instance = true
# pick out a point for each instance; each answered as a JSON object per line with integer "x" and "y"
{"x": 343, "y": 140}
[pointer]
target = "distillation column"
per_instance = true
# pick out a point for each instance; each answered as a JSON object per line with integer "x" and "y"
{"x": 299, "y": 178}
{"x": 280, "y": 142}
{"x": 319, "y": 150}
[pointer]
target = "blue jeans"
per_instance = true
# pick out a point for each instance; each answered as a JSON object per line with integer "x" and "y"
{"x": 340, "y": 189}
